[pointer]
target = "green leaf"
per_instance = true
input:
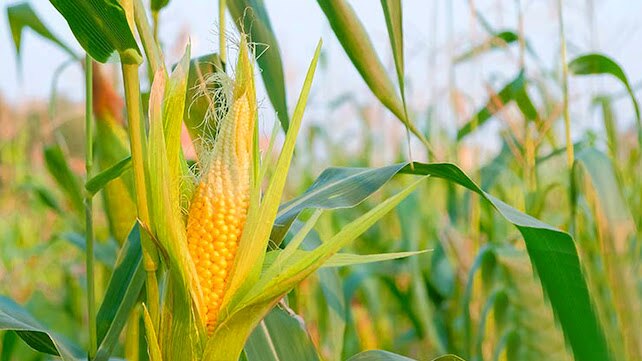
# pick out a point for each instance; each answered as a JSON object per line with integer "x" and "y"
{"x": 378, "y": 355}
{"x": 178, "y": 317}
{"x": 347, "y": 259}
{"x": 282, "y": 277}
{"x": 13, "y": 317}
{"x": 251, "y": 16}
{"x": 448, "y": 358}
{"x": 57, "y": 165}
{"x": 173, "y": 108}
{"x": 394, "y": 22}
{"x": 21, "y": 16}
{"x": 121, "y": 296}
{"x": 513, "y": 91}
{"x": 591, "y": 64}
{"x": 334, "y": 188}
{"x": 100, "y": 180}
{"x": 551, "y": 251}
{"x": 158, "y": 5}
{"x": 281, "y": 336}
{"x": 357, "y": 45}
{"x": 496, "y": 41}
{"x": 101, "y": 28}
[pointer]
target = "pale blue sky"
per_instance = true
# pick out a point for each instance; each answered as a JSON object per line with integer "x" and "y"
{"x": 299, "y": 25}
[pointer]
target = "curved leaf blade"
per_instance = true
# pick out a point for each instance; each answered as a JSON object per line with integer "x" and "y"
{"x": 13, "y": 317}
{"x": 591, "y": 64}
{"x": 357, "y": 45}
{"x": 101, "y": 28}
{"x": 551, "y": 251}
{"x": 122, "y": 294}
{"x": 21, "y": 16}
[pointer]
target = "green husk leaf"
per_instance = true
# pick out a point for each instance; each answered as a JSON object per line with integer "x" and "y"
{"x": 260, "y": 218}
{"x": 229, "y": 337}
{"x": 153, "y": 349}
{"x": 158, "y": 5}
{"x": 348, "y": 259}
{"x": 181, "y": 329}
{"x": 173, "y": 109}
{"x": 250, "y": 16}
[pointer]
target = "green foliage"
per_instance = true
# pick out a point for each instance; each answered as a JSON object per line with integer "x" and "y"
{"x": 101, "y": 28}
{"x": 15, "y": 318}
{"x": 21, "y": 16}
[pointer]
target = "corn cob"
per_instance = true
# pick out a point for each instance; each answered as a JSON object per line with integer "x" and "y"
{"x": 219, "y": 207}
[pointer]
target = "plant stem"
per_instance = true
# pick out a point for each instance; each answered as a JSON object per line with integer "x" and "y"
{"x": 89, "y": 226}
{"x": 221, "y": 32}
{"x": 137, "y": 139}
{"x": 567, "y": 117}
{"x": 149, "y": 39}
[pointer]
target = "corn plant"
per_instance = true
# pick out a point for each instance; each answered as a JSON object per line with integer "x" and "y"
{"x": 208, "y": 256}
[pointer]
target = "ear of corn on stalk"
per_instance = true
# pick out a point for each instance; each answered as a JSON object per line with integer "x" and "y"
{"x": 219, "y": 207}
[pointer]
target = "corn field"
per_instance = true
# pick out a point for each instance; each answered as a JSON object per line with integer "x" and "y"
{"x": 216, "y": 207}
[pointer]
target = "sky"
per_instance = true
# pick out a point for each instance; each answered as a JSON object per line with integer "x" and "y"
{"x": 433, "y": 32}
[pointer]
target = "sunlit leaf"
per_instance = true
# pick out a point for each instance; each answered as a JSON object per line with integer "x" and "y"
{"x": 21, "y": 16}
{"x": 357, "y": 45}
{"x": 101, "y": 28}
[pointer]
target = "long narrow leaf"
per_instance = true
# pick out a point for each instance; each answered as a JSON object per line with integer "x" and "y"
{"x": 121, "y": 296}
{"x": 15, "y": 318}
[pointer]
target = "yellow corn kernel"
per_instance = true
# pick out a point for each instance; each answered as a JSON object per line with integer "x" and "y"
{"x": 219, "y": 207}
